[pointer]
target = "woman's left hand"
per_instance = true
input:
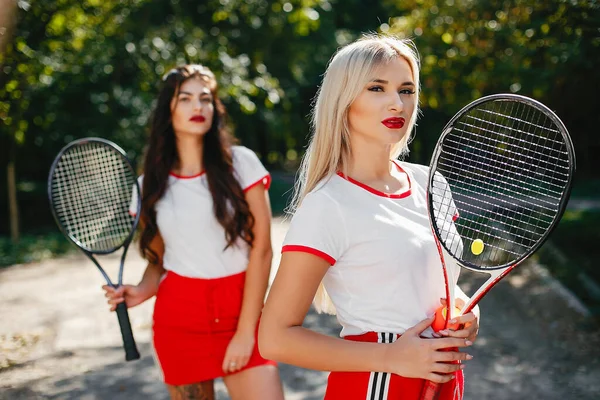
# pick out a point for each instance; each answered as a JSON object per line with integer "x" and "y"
{"x": 238, "y": 351}
{"x": 468, "y": 322}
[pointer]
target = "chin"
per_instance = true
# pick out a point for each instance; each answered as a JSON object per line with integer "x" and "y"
{"x": 190, "y": 134}
{"x": 198, "y": 131}
{"x": 395, "y": 137}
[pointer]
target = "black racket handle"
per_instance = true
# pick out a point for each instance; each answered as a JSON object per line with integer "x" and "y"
{"x": 131, "y": 351}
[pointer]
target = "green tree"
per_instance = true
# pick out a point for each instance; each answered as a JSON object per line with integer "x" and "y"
{"x": 548, "y": 50}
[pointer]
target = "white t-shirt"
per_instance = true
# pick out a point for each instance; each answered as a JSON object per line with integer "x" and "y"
{"x": 194, "y": 240}
{"x": 386, "y": 273}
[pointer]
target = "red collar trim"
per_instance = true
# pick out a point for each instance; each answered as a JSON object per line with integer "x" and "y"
{"x": 186, "y": 176}
{"x": 380, "y": 193}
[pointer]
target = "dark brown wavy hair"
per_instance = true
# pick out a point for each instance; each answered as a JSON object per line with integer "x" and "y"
{"x": 229, "y": 204}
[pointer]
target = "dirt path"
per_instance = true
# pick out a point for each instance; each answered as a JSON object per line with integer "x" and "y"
{"x": 57, "y": 341}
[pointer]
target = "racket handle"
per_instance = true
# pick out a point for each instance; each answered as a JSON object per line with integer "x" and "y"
{"x": 431, "y": 390}
{"x": 131, "y": 351}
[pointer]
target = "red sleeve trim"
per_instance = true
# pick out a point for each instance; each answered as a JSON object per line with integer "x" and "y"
{"x": 455, "y": 216}
{"x": 309, "y": 250}
{"x": 265, "y": 180}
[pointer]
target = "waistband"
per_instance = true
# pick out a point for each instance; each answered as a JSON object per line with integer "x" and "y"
{"x": 376, "y": 337}
{"x": 204, "y": 282}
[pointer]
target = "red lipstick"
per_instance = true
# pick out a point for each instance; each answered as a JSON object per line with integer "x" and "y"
{"x": 197, "y": 118}
{"x": 394, "y": 122}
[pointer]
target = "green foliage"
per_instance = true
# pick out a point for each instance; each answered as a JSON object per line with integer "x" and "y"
{"x": 547, "y": 50}
{"x": 91, "y": 68}
{"x": 33, "y": 248}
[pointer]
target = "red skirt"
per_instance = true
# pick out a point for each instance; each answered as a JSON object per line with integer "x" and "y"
{"x": 194, "y": 321}
{"x": 383, "y": 385}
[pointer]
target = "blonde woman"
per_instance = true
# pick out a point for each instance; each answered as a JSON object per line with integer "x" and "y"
{"x": 360, "y": 243}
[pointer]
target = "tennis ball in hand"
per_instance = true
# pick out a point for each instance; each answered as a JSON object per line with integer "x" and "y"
{"x": 440, "y": 319}
{"x": 477, "y": 247}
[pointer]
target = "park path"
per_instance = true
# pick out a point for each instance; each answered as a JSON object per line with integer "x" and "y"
{"x": 57, "y": 340}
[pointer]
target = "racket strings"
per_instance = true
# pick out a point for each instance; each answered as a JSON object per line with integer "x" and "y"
{"x": 494, "y": 144}
{"x": 87, "y": 227}
{"x": 92, "y": 188}
{"x": 92, "y": 226}
{"x": 106, "y": 187}
{"x": 527, "y": 134}
{"x": 504, "y": 168}
{"x": 501, "y": 219}
{"x": 109, "y": 191}
{"x": 512, "y": 191}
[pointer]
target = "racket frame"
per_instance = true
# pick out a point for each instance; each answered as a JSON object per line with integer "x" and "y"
{"x": 497, "y": 272}
{"x": 431, "y": 389}
{"x": 130, "y": 347}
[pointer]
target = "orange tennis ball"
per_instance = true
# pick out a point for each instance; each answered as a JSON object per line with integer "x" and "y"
{"x": 440, "y": 319}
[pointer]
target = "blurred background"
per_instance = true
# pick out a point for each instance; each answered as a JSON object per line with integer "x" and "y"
{"x": 77, "y": 68}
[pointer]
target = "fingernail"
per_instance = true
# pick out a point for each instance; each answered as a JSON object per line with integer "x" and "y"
{"x": 468, "y": 343}
{"x": 452, "y": 321}
{"x": 444, "y": 332}
{"x": 469, "y": 357}
{"x": 462, "y": 366}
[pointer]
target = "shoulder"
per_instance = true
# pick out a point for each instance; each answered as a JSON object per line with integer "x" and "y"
{"x": 248, "y": 169}
{"x": 325, "y": 197}
{"x": 417, "y": 171}
{"x": 140, "y": 180}
{"x": 242, "y": 153}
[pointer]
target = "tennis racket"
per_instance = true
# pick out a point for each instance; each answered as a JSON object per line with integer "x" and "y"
{"x": 90, "y": 186}
{"x": 499, "y": 181}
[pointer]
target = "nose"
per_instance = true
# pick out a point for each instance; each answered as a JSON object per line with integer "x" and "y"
{"x": 396, "y": 103}
{"x": 197, "y": 105}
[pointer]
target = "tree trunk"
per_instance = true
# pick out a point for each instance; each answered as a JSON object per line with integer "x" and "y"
{"x": 6, "y": 20}
{"x": 13, "y": 206}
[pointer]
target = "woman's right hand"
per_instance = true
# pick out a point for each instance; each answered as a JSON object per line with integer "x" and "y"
{"x": 412, "y": 356}
{"x": 132, "y": 295}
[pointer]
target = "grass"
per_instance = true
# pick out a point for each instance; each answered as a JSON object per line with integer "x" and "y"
{"x": 32, "y": 248}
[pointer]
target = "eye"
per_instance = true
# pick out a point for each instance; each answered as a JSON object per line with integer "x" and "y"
{"x": 206, "y": 100}
{"x": 375, "y": 88}
{"x": 184, "y": 99}
{"x": 406, "y": 91}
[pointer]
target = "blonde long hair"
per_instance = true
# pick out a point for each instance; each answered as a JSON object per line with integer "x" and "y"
{"x": 349, "y": 70}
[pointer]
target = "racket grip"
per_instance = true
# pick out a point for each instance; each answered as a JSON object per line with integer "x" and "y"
{"x": 431, "y": 390}
{"x": 131, "y": 351}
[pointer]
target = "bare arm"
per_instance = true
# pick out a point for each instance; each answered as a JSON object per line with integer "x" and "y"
{"x": 282, "y": 337}
{"x": 154, "y": 271}
{"x": 259, "y": 263}
{"x": 242, "y": 344}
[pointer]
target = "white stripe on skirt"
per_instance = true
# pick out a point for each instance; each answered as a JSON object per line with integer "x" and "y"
{"x": 379, "y": 382}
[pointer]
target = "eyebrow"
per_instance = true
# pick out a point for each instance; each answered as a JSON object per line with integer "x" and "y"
{"x": 383, "y": 81}
{"x": 191, "y": 94}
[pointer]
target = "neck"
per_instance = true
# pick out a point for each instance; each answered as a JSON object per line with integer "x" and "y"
{"x": 369, "y": 161}
{"x": 189, "y": 155}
